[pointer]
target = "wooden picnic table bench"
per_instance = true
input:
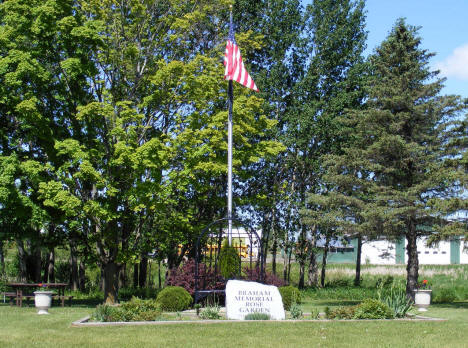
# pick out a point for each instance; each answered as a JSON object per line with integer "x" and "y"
{"x": 11, "y": 296}
{"x": 19, "y": 295}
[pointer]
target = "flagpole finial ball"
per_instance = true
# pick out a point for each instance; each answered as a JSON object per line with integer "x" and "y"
{"x": 230, "y": 6}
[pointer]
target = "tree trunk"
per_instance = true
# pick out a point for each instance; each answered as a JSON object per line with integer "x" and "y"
{"x": 274, "y": 250}
{"x": 357, "y": 277}
{"x": 21, "y": 261}
{"x": 312, "y": 279}
{"x": 122, "y": 276}
{"x": 324, "y": 261}
{"x": 135, "y": 275}
{"x": 285, "y": 264}
{"x": 412, "y": 268}
{"x": 73, "y": 267}
{"x": 49, "y": 268}
{"x": 82, "y": 276}
{"x": 274, "y": 247}
{"x": 159, "y": 274}
{"x": 111, "y": 282}
{"x": 289, "y": 265}
{"x": 33, "y": 261}
{"x": 302, "y": 256}
{"x": 143, "y": 272}
{"x": 2, "y": 259}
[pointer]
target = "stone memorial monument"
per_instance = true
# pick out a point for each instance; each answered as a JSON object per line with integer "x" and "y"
{"x": 243, "y": 297}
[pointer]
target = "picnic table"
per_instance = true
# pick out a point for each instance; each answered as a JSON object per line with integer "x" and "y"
{"x": 19, "y": 287}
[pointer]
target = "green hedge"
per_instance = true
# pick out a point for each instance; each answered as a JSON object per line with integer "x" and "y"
{"x": 290, "y": 295}
{"x": 174, "y": 299}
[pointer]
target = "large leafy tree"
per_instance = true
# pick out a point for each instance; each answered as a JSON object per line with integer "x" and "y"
{"x": 276, "y": 71}
{"x": 333, "y": 81}
{"x": 401, "y": 144}
{"x": 118, "y": 107}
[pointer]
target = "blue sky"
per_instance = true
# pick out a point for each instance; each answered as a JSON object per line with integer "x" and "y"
{"x": 444, "y": 31}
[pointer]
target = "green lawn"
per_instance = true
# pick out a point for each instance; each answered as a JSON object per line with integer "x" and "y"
{"x": 21, "y": 327}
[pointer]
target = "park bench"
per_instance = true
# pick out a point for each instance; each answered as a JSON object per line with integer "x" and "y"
{"x": 10, "y": 295}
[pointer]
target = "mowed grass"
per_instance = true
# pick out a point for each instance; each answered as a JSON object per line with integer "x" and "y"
{"x": 22, "y": 327}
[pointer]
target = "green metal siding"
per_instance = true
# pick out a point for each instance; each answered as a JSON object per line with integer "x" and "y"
{"x": 400, "y": 251}
{"x": 341, "y": 256}
{"x": 455, "y": 250}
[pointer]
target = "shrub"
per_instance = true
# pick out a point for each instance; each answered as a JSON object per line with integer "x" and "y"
{"x": 296, "y": 311}
{"x": 314, "y": 313}
{"x": 257, "y": 316}
{"x": 373, "y": 309}
{"x": 290, "y": 295}
{"x": 444, "y": 295}
{"x": 229, "y": 261}
{"x": 174, "y": 299}
{"x": 253, "y": 274}
{"x": 125, "y": 294}
{"x": 140, "y": 310}
{"x": 386, "y": 281}
{"x": 211, "y": 311}
{"x": 340, "y": 312}
{"x": 395, "y": 298}
{"x": 62, "y": 271}
{"x": 184, "y": 276}
{"x": 338, "y": 283}
{"x": 103, "y": 313}
{"x": 134, "y": 310}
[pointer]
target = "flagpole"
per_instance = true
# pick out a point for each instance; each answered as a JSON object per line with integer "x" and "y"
{"x": 229, "y": 210}
{"x": 229, "y": 184}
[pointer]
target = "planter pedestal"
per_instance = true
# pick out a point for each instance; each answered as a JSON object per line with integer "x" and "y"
{"x": 43, "y": 301}
{"x": 422, "y": 299}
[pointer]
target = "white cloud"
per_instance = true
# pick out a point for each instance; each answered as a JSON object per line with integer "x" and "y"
{"x": 455, "y": 65}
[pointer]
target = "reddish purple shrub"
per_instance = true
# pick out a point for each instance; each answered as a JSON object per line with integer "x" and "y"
{"x": 253, "y": 274}
{"x": 184, "y": 276}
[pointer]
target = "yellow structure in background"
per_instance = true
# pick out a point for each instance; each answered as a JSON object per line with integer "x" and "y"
{"x": 241, "y": 248}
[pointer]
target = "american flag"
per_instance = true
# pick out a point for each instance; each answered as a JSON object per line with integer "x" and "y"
{"x": 235, "y": 69}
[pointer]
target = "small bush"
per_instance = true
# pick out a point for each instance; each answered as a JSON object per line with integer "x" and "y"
{"x": 257, "y": 316}
{"x": 339, "y": 283}
{"x": 103, "y": 313}
{"x": 347, "y": 312}
{"x": 184, "y": 276}
{"x": 290, "y": 295}
{"x": 444, "y": 295}
{"x": 296, "y": 311}
{"x": 373, "y": 309}
{"x": 314, "y": 313}
{"x": 253, "y": 274}
{"x": 134, "y": 310}
{"x": 140, "y": 310}
{"x": 125, "y": 294}
{"x": 395, "y": 298}
{"x": 386, "y": 281}
{"x": 229, "y": 261}
{"x": 174, "y": 299}
{"x": 211, "y": 311}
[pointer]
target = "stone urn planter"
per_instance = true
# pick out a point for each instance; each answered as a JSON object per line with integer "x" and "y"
{"x": 422, "y": 299}
{"x": 43, "y": 301}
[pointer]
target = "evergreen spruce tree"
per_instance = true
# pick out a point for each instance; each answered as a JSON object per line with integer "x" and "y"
{"x": 396, "y": 164}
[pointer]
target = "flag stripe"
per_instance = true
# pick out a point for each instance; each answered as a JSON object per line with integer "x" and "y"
{"x": 234, "y": 66}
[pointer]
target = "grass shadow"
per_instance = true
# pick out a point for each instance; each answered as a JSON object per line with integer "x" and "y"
{"x": 453, "y": 305}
